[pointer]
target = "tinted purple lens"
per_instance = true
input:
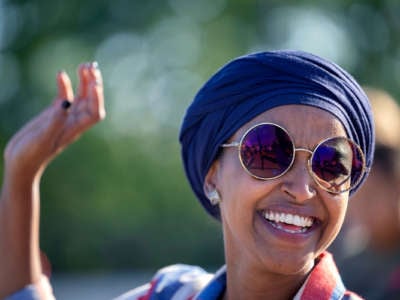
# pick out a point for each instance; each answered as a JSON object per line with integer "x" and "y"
{"x": 267, "y": 151}
{"x": 337, "y": 164}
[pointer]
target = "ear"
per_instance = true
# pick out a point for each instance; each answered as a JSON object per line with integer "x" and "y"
{"x": 211, "y": 179}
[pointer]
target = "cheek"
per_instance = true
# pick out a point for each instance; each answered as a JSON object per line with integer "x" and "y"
{"x": 336, "y": 208}
{"x": 239, "y": 191}
{"x": 231, "y": 176}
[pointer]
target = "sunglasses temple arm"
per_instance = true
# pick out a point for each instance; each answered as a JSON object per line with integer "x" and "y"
{"x": 234, "y": 144}
{"x": 340, "y": 183}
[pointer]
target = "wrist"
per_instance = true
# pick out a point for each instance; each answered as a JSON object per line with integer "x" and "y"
{"x": 21, "y": 180}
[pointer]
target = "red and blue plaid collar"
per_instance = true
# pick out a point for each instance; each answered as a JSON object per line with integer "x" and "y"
{"x": 193, "y": 283}
{"x": 324, "y": 282}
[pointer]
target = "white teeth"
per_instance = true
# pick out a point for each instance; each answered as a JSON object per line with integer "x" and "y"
{"x": 289, "y": 219}
{"x": 296, "y": 220}
{"x": 282, "y": 217}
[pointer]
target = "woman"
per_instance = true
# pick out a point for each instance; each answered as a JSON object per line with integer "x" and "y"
{"x": 273, "y": 145}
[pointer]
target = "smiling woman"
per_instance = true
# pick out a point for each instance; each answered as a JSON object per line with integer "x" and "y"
{"x": 279, "y": 244}
{"x": 273, "y": 146}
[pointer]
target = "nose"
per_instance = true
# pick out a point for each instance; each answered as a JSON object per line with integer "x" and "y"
{"x": 298, "y": 182}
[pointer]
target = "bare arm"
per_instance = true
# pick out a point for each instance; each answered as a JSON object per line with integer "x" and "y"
{"x": 26, "y": 156}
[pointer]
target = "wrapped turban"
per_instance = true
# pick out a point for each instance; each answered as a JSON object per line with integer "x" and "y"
{"x": 249, "y": 85}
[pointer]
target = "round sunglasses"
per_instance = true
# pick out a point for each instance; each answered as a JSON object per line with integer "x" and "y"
{"x": 266, "y": 151}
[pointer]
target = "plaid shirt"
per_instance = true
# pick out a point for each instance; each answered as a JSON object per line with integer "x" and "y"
{"x": 183, "y": 282}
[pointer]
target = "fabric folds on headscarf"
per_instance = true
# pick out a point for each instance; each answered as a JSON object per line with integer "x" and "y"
{"x": 251, "y": 84}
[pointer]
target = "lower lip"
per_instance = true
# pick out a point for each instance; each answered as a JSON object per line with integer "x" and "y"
{"x": 286, "y": 234}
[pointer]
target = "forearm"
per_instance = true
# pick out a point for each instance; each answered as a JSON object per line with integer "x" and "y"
{"x": 26, "y": 155}
{"x": 19, "y": 233}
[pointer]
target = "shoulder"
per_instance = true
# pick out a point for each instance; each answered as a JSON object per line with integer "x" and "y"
{"x": 180, "y": 281}
{"x": 39, "y": 290}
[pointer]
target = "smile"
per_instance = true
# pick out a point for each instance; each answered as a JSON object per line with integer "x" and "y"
{"x": 290, "y": 223}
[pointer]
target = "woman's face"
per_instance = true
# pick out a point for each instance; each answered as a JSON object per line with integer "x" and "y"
{"x": 253, "y": 240}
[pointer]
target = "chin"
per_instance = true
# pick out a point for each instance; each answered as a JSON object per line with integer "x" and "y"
{"x": 291, "y": 264}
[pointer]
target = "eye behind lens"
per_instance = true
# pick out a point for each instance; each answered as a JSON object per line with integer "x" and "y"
{"x": 266, "y": 151}
{"x": 337, "y": 164}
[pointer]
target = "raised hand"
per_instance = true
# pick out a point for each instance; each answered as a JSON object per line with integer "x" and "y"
{"x": 29, "y": 151}
{"x": 26, "y": 156}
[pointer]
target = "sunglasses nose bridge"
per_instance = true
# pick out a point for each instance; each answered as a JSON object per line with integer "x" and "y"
{"x": 308, "y": 164}
{"x": 304, "y": 150}
{"x": 307, "y": 151}
{"x": 299, "y": 182}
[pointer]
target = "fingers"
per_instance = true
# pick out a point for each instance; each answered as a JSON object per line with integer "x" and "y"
{"x": 88, "y": 106}
{"x": 95, "y": 95}
{"x": 59, "y": 125}
{"x": 90, "y": 98}
{"x": 65, "y": 96}
{"x": 91, "y": 89}
{"x": 83, "y": 73}
{"x": 63, "y": 123}
{"x": 64, "y": 86}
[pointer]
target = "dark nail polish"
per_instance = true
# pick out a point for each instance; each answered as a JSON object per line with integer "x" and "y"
{"x": 66, "y": 104}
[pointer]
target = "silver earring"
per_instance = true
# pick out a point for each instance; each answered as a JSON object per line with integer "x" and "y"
{"x": 214, "y": 197}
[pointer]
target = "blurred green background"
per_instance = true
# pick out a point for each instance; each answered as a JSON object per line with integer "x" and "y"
{"x": 118, "y": 198}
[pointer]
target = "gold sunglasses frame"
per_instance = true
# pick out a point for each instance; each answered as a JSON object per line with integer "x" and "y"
{"x": 309, "y": 160}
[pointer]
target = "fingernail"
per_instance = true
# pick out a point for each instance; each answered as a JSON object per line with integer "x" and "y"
{"x": 95, "y": 64}
{"x": 66, "y": 104}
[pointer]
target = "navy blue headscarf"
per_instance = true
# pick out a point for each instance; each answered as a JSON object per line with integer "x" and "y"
{"x": 252, "y": 84}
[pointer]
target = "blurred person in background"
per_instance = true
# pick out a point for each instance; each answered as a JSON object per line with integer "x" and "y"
{"x": 370, "y": 240}
{"x": 273, "y": 145}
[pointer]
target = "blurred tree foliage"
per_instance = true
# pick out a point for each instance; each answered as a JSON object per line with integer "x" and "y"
{"x": 119, "y": 198}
